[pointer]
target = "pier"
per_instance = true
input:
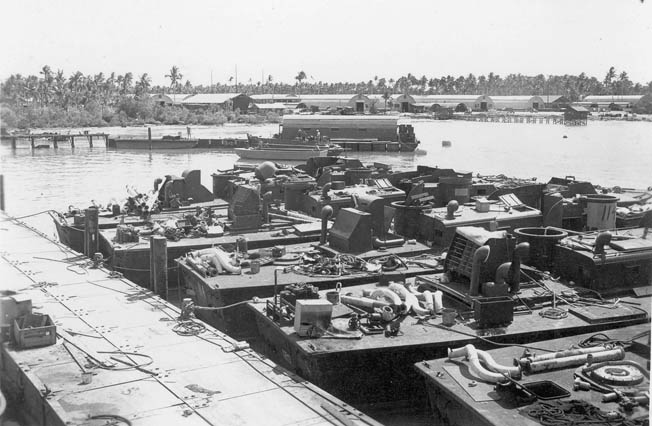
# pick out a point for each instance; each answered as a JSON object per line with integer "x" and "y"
{"x": 122, "y": 354}
{"x": 522, "y": 119}
{"x": 43, "y": 140}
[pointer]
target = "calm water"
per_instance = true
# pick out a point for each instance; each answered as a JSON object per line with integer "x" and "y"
{"x": 606, "y": 153}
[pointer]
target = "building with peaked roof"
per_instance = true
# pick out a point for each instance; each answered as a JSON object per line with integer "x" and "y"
{"x": 270, "y": 98}
{"x": 169, "y": 98}
{"x": 327, "y": 102}
{"x": 277, "y": 107}
{"x": 615, "y": 102}
{"x": 412, "y": 103}
{"x": 518, "y": 103}
{"x": 230, "y": 101}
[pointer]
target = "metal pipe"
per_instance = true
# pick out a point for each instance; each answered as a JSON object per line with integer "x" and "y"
{"x": 566, "y": 353}
{"x": 325, "y": 189}
{"x": 571, "y": 361}
{"x": 510, "y": 272}
{"x": 480, "y": 256}
{"x": 451, "y": 208}
{"x": 326, "y": 213}
{"x": 471, "y": 354}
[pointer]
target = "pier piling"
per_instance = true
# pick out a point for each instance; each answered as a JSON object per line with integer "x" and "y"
{"x": 158, "y": 265}
{"x": 2, "y": 193}
{"x": 91, "y": 231}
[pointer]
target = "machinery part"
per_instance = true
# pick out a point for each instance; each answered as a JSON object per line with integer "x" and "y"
{"x": 570, "y": 361}
{"x": 579, "y": 384}
{"x": 479, "y": 256}
{"x": 265, "y": 170}
{"x": 386, "y": 295}
{"x": 499, "y": 373}
{"x": 451, "y": 208}
{"x": 324, "y": 191}
{"x": 411, "y": 301}
{"x": 395, "y": 242}
{"x": 510, "y": 272}
{"x": 220, "y": 259}
{"x": 326, "y": 213}
{"x": 527, "y": 357}
{"x": 618, "y": 374}
{"x": 601, "y": 240}
{"x": 363, "y": 302}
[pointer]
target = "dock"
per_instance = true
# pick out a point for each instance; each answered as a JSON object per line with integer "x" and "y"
{"x": 371, "y": 369}
{"x": 454, "y": 403}
{"x": 117, "y": 357}
{"x": 43, "y": 140}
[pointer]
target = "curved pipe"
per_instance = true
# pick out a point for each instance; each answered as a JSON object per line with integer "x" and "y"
{"x": 324, "y": 191}
{"x": 602, "y": 239}
{"x": 411, "y": 301}
{"x": 157, "y": 183}
{"x": 220, "y": 259}
{"x": 364, "y": 302}
{"x": 396, "y": 242}
{"x": 451, "y": 208}
{"x": 426, "y": 298}
{"x": 475, "y": 367}
{"x": 326, "y": 213}
{"x": 480, "y": 256}
{"x": 386, "y": 295}
{"x": 510, "y": 272}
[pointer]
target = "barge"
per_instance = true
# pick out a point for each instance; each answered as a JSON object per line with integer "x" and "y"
{"x": 353, "y": 133}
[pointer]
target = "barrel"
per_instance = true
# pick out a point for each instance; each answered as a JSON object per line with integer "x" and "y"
{"x": 542, "y": 244}
{"x": 601, "y": 211}
{"x": 454, "y": 188}
{"x": 406, "y": 219}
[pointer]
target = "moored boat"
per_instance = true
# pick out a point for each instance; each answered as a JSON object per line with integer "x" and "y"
{"x": 273, "y": 153}
{"x": 145, "y": 143}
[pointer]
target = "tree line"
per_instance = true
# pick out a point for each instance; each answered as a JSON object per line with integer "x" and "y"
{"x": 52, "y": 99}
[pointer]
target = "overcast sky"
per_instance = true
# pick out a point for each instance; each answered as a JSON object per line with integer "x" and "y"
{"x": 331, "y": 40}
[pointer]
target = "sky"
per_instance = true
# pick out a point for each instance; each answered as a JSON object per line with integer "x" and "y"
{"x": 335, "y": 40}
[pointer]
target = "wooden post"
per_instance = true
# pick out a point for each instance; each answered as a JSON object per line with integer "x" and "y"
{"x": 91, "y": 231}
{"x": 31, "y": 141}
{"x": 149, "y": 137}
{"x": 90, "y": 141}
{"x": 2, "y": 193}
{"x": 55, "y": 143}
{"x": 158, "y": 265}
{"x": 106, "y": 140}
{"x": 72, "y": 142}
{"x": 13, "y": 142}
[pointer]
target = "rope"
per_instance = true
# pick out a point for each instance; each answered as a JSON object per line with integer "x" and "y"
{"x": 553, "y": 313}
{"x": 576, "y": 412}
{"x": 189, "y": 328}
{"x": 10, "y": 218}
{"x": 601, "y": 339}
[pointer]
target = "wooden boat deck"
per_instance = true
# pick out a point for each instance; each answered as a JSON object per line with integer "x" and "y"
{"x": 372, "y": 368}
{"x": 204, "y": 379}
{"x": 457, "y": 404}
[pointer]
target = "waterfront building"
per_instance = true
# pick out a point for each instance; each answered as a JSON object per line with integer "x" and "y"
{"x": 616, "y": 102}
{"x": 226, "y": 101}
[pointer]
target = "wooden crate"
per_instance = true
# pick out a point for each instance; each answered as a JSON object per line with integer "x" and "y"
{"x": 34, "y": 330}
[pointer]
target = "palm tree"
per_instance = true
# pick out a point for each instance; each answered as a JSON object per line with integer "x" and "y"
{"x": 386, "y": 96}
{"x": 300, "y": 77}
{"x": 175, "y": 77}
{"x": 126, "y": 82}
{"x": 143, "y": 84}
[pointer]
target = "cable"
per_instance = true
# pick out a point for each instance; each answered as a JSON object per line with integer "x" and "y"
{"x": 600, "y": 339}
{"x": 219, "y": 308}
{"x": 475, "y": 336}
{"x": 10, "y": 218}
{"x": 110, "y": 417}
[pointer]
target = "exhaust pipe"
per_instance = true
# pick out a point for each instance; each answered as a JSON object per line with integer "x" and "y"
{"x": 494, "y": 373}
{"x": 479, "y": 257}
{"x": 510, "y": 272}
{"x": 575, "y": 360}
{"x": 326, "y": 213}
{"x": 324, "y": 191}
{"x": 451, "y": 208}
{"x": 603, "y": 239}
{"x": 268, "y": 198}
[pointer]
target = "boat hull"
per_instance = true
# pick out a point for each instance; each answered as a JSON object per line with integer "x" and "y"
{"x": 153, "y": 144}
{"x": 280, "y": 154}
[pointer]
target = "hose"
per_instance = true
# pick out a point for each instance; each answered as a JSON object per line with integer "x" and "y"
{"x": 411, "y": 301}
{"x": 396, "y": 242}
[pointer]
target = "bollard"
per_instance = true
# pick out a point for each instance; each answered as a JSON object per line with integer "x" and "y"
{"x": 91, "y": 231}
{"x": 158, "y": 265}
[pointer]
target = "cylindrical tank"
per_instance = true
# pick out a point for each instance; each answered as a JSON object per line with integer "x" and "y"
{"x": 542, "y": 244}
{"x": 601, "y": 211}
{"x": 406, "y": 219}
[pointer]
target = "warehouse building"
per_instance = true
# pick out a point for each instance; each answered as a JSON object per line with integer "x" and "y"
{"x": 518, "y": 103}
{"x": 616, "y": 102}
{"x": 226, "y": 101}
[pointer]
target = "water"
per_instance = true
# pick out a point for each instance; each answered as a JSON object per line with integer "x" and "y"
{"x": 607, "y": 153}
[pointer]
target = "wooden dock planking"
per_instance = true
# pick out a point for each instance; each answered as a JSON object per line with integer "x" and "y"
{"x": 200, "y": 380}
{"x": 349, "y": 368}
{"x": 453, "y": 405}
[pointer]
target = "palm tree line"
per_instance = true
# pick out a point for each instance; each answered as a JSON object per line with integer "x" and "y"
{"x": 104, "y": 95}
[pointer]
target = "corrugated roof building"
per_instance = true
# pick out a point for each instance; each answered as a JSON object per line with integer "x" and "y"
{"x": 326, "y": 102}
{"x": 232, "y": 101}
{"x": 615, "y": 102}
{"x": 169, "y": 98}
{"x": 405, "y": 102}
{"x": 518, "y": 103}
{"x": 270, "y": 98}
